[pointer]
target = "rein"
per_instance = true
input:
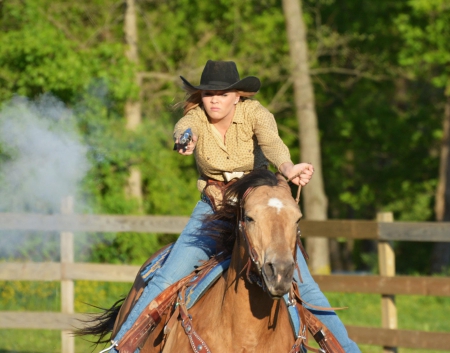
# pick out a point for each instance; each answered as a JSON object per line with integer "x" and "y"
{"x": 253, "y": 255}
{"x": 299, "y": 189}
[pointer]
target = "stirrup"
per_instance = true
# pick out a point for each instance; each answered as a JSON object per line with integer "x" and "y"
{"x": 114, "y": 344}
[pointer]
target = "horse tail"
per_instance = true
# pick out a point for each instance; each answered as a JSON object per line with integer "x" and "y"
{"x": 100, "y": 324}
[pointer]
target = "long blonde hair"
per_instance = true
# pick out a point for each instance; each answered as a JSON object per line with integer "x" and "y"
{"x": 194, "y": 97}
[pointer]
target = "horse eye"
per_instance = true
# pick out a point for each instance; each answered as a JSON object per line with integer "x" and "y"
{"x": 248, "y": 219}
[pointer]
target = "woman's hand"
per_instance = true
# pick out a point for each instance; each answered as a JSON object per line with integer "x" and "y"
{"x": 189, "y": 149}
{"x": 306, "y": 171}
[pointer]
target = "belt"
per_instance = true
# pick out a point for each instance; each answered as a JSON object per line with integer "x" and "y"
{"x": 228, "y": 176}
{"x": 232, "y": 175}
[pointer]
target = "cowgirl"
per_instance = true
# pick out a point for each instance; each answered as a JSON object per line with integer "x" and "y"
{"x": 232, "y": 135}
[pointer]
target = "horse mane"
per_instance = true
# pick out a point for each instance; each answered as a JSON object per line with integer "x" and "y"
{"x": 220, "y": 221}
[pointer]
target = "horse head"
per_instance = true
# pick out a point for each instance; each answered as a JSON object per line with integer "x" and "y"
{"x": 269, "y": 225}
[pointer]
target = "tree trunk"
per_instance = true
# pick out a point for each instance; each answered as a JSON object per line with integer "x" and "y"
{"x": 314, "y": 195}
{"x": 133, "y": 107}
{"x": 440, "y": 258}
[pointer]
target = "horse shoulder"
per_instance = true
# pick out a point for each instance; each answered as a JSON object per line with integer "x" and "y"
{"x": 205, "y": 317}
{"x": 209, "y": 320}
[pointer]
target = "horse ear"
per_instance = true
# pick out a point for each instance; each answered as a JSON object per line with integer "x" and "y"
{"x": 282, "y": 181}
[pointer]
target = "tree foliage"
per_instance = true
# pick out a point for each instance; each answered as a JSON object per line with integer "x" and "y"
{"x": 379, "y": 72}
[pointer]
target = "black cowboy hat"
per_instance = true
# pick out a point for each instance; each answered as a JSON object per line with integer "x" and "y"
{"x": 223, "y": 75}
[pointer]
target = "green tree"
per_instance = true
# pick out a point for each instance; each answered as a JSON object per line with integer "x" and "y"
{"x": 426, "y": 55}
{"x": 75, "y": 51}
{"x": 379, "y": 125}
{"x": 379, "y": 115}
{"x": 46, "y": 51}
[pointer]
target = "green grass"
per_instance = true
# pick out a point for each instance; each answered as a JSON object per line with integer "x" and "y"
{"x": 414, "y": 313}
{"x": 40, "y": 341}
{"x": 420, "y": 313}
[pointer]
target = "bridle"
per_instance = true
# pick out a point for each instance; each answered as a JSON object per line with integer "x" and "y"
{"x": 253, "y": 261}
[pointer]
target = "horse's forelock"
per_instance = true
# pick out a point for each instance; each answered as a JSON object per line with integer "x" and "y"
{"x": 282, "y": 182}
{"x": 258, "y": 177}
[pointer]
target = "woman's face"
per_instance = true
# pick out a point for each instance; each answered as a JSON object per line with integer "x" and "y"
{"x": 219, "y": 105}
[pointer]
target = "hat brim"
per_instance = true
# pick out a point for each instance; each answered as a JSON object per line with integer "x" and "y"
{"x": 247, "y": 84}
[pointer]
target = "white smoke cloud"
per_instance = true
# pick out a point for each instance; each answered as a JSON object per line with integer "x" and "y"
{"x": 48, "y": 160}
{"x": 42, "y": 161}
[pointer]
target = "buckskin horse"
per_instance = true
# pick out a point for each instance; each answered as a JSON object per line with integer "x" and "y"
{"x": 241, "y": 311}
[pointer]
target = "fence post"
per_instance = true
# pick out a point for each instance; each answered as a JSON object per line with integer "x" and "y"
{"x": 67, "y": 286}
{"x": 386, "y": 264}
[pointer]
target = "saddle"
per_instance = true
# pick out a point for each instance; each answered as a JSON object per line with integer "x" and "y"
{"x": 187, "y": 292}
{"x": 215, "y": 191}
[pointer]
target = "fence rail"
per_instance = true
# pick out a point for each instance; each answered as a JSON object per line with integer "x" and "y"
{"x": 351, "y": 229}
{"x": 55, "y": 271}
{"x": 366, "y": 335}
{"x": 67, "y": 271}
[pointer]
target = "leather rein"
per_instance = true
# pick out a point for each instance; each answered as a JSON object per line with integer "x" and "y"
{"x": 253, "y": 259}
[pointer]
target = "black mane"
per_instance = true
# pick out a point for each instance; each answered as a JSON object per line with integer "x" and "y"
{"x": 224, "y": 221}
{"x": 258, "y": 177}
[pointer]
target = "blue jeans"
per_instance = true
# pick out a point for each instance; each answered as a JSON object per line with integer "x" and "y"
{"x": 311, "y": 293}
{"x": 192, "y": 248}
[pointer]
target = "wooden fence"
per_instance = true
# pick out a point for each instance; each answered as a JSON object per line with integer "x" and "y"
{"x": 386, "y": 284}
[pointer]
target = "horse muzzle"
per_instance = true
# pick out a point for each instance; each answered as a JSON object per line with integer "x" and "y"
{"x": 278, "y": 276}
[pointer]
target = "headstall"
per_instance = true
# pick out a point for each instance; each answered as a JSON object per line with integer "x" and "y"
{"x": 252, "y": 277}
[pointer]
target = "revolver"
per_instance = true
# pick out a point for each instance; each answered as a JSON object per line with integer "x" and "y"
{"x": 184, "y": 140}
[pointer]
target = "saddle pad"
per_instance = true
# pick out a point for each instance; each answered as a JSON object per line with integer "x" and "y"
{"x": 155, "y": 263}
{"x": 195, "y": 292}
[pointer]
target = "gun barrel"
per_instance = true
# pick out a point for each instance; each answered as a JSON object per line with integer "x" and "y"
{"x": 185, "y": 138}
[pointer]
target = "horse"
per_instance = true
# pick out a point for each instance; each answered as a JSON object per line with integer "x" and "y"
{"x": 242, "y": 311}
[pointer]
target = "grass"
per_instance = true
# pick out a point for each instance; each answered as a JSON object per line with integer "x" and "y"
{"x": 420, "y": 313}
{"x": 414, "y": 313}
{"x": 40, "y": 341}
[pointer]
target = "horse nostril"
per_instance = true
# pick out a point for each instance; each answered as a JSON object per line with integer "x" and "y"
{"x": 273, "y": 268}
{"x": 278, "y": 271}
{"x": 269, "y": 270}
{"x": 291, "y": 270}
{"x": 292, "y": 267}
